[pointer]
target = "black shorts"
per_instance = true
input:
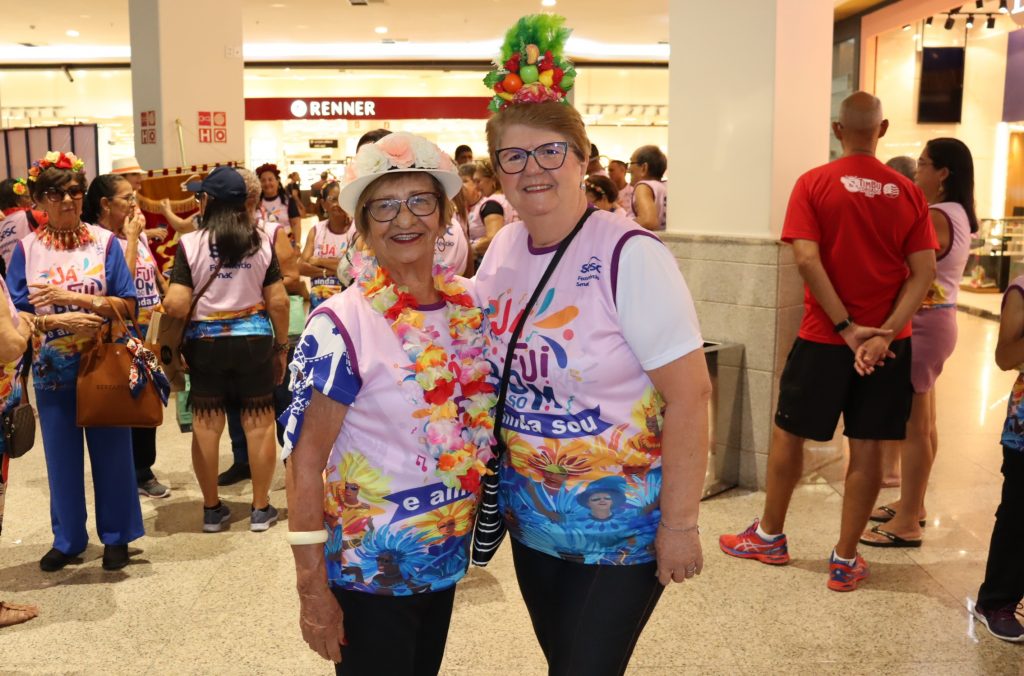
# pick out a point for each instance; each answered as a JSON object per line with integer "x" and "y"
{"x": 819, "y": 382}
{"x": 234, "y": 369}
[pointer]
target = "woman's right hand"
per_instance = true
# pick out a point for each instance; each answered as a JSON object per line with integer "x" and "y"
{"x": 80, "y": 323}
{"x": 320, "y": 619}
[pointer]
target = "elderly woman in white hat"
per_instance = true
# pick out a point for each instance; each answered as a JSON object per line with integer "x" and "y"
{"x": 130, "y": 169}
{"x": 390, "y": 378}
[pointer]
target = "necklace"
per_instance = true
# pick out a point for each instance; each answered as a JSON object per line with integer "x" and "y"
{"x": 65, "y": 240}
{"x": 458, "y": 429}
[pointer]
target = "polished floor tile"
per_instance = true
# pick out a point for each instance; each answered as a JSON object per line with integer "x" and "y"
{"x": 224, "y": 603}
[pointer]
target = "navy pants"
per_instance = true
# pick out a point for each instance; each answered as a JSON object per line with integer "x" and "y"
{"x": 118, "y": 514}
{"x": 1004, "y": 575}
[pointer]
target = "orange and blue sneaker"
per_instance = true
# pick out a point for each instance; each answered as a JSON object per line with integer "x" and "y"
{"x": 843, "y": 577}
{"x": 750, "y": 545}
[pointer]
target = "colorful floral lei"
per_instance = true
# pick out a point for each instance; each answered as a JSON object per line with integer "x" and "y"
{"x": 20, "y": 187}
{"x": 459, "y": 430}
{"x": 55, "y": 159}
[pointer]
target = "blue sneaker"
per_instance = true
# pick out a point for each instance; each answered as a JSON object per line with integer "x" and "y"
{"x": 214, "y": 518}
{"x": 262, "y": 519}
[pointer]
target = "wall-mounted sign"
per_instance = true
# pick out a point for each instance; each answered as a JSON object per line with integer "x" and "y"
{"x": 323, "y": 143}
{"x": 369, "y": 108}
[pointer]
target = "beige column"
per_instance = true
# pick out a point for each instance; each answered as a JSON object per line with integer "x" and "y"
{"x": 187, "y": 82}
{"x": 750, "y": 87}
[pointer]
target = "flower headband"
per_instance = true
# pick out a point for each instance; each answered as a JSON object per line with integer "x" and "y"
{"x": 400, "y": 151}
{"x": 20, "y": 187}
{"x": 55, "y": 159}
{"x": 268, "y": 167}
{"x": 532, "y": 67}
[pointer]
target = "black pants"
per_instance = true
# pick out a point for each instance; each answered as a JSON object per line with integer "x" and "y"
{"x": 394, "y": 635}
{"x": 1004, "y": 574}
{"x": 587, "y": 618}
{"x": 144, "y": 452}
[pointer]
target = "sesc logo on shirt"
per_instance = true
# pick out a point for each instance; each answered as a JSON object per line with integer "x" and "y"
{"x": 869, "y": 187}
{"x": 589, "y": 271}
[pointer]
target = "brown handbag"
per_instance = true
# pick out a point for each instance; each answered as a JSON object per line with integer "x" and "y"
{"x": 104, "y": 396}
{"x": 18, "y": 425}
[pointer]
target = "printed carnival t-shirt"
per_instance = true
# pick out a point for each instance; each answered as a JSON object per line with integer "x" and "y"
{"x": 866, "y": 219}
{"x": 395, "y": 528}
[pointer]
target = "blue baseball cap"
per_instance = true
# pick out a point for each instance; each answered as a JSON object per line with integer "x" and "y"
{"x": 223, "y": 183}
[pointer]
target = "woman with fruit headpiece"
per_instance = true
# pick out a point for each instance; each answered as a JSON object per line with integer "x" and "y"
{"x": 603, "y": 544}
{"x": 390, "y": 420}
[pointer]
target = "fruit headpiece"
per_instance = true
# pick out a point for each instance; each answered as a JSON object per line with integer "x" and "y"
{"x": 532, "y": 67}
{"x": 269, "y": 166}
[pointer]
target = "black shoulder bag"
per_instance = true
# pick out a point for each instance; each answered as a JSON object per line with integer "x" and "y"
{"x": 19, "y": 423}
{"x": 489, "y": 528}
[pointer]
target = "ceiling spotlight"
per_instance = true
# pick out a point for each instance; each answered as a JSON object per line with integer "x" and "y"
{"x": 906, "y": 26}
{"x": 71, "y": 33}
{"x": 1003, "y": 9}
{"x": 970, "y": 21}
{"x": 928, "y": 21}
{"x": 950, "y": 22}
{"x": 979, "y": 3}
{"x": 380, "y": 30}
{"x": 547, "y": 3}
{"x": 990, "y": 22}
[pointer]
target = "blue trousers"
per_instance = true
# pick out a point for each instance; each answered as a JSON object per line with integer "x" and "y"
{"x": 118, "y": 514}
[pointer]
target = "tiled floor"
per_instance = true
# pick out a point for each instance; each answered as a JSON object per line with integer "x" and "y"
{"x": 224, "y": 603}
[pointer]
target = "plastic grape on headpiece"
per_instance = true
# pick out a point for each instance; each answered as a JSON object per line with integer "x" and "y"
{"x": 532, "y": 67}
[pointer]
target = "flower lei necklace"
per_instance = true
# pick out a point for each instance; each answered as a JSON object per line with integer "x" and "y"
{"x": 64, "y": 240}
{"x": 458, "y": 433}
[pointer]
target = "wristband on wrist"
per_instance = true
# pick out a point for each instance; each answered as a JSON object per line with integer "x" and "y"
{"x": 843, "y": 325}
{"x": 306, "y": 537}
{"x": 679, "y": 530}
{"x": 282, "y": 347}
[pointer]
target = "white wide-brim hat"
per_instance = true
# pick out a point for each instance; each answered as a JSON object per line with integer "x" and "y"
{"x": 125, "y": 165}
{"x": 397, "y": 153}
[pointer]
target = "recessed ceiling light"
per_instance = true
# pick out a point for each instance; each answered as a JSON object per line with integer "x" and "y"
{"x": 548, "y": 3}
{"x": 380, "y": 30}
{"x": 71, "y": 33}
{"x": 278, "y": 5}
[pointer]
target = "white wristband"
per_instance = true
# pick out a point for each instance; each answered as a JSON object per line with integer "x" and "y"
{"x": 306, "y": 537}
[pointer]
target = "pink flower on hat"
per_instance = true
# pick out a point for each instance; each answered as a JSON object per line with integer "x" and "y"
{"x": 398, "y": 149}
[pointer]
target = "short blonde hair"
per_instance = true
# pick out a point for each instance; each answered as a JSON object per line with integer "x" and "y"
{"x": 557, "y": 117}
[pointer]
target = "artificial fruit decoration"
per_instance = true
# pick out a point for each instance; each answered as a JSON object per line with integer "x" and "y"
{"x": 532, "y": 67}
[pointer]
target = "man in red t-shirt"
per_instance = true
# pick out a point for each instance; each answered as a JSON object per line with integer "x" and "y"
{"x": 865, "y": 247}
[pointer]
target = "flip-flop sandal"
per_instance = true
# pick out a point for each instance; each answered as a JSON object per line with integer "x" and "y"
{"x": 892, "y": 540}
{"x": 889, "y": 514}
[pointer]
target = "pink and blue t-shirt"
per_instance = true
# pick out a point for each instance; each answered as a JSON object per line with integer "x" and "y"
{"x": 395, "y": 528}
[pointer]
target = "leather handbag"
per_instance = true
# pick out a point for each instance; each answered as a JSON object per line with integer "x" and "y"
{"x": 166, "y": 335}
{"x": 489, "y": 528}
{"x": 109, "y": 395}
{"x": 18, "y": 424}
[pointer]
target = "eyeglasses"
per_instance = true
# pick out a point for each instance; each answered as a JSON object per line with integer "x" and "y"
{"x": 549, "y": 156}
{"x": 56, "y": 195}
{"x": 130, "y": 198}
{"x": 420, "y": 204}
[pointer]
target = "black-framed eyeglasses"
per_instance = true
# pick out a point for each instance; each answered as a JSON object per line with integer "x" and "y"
{"x": 548, "y": 156}
{"x": 56, "y": 195}
{"x": 420, "y": 204}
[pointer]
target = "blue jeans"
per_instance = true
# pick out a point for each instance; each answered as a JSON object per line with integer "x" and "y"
{"x": 118, "y": 514}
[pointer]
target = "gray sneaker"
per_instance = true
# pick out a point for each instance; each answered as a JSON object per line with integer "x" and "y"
{"x": 261, "y": 519}
{"x": 214, "y": 518}
{"x": 154, "y": 489}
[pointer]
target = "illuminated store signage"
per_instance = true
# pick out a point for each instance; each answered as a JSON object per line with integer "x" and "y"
{"x": 370, "y": 108}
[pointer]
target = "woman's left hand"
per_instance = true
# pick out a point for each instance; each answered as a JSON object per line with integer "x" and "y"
{"x": 679, "y": 555}
{"x": 42, "y": 295}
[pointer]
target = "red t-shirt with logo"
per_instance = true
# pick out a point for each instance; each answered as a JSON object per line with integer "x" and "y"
{"x": 866, "y": 219}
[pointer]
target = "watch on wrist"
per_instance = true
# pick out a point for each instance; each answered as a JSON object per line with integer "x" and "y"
{"x": 843, "y": 325}
{"x": 97, "y": 302}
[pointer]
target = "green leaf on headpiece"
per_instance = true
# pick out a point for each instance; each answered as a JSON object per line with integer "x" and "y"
{"x": 494, "y": 77}
{"x": 547, "y": 31}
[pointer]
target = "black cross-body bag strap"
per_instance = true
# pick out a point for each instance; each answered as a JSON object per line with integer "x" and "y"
{"x": 517, "y": 330}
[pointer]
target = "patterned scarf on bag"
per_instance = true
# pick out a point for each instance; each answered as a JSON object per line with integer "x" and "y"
{"x": 145, "y": 368}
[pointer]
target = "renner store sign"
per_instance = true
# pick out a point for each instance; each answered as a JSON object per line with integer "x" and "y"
{"x": 374, "y": 108}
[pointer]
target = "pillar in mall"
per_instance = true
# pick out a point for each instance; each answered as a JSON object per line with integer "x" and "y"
{"x": 187, "y": 82}
{"x": 750, "y": 87}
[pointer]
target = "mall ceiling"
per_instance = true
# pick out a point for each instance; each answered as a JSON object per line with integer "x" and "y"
{"x": 72, "y": 30}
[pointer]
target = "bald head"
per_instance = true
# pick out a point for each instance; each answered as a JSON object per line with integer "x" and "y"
{"x": 860, "y": 112}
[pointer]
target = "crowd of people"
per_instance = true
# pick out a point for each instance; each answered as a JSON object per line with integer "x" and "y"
{"x": 431, "y": 394}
